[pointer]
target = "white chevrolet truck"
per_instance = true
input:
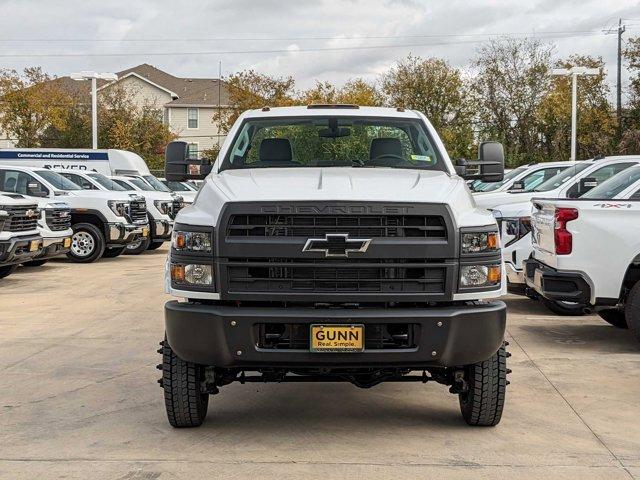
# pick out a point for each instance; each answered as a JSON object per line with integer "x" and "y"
{"x": 334, "y": 243}
{"x": 587, "y": 250}
{"x": 103, "y": 223}
{"x": 20, "y": 240}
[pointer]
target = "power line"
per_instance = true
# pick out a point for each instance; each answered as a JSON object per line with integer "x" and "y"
{"x": 258, "y": 51}
{"x": 262, "y": 39}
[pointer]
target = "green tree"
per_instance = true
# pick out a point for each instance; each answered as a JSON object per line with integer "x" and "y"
{"x": 356, "y": 92}
{"x": 249, "y": 89}
{"x": 630, "y": 141}
{"x": 30, "y": 103}
{"x": 596, "y": 122}
{"x": 511, "y": 81}
{"x": 433, "y": 87}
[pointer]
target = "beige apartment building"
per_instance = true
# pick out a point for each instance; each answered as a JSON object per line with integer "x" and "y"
{"x": 188, "y": 104}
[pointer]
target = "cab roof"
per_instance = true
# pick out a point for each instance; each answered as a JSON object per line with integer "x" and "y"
{"x": 337, "y": 110}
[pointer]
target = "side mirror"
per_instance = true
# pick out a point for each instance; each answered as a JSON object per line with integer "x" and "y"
{"x": 461, "y": 166}
{"x": 490, "y": 163}
{"x": 518, "y": 186}
{"x": 179, "y": 167}
{"x": 587, "y": 184}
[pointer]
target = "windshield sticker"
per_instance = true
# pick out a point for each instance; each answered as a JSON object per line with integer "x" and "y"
{"x": 422, "y": 158}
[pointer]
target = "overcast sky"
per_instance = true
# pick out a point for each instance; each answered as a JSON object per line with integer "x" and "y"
{"x": 90, "y": 33}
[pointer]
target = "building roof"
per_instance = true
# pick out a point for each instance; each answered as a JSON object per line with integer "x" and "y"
{"x": 185, "y": 91}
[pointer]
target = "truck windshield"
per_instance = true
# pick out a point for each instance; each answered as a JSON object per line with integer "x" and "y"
{"x": 490, "y": 187}
{"x": 616, "y": 184}
{"x": 155, "y": 183}
{"x": 57, "y": 180}
{"x": 142, "y": 185}
{"x": 563, "y": 177}
{"x": 176, "y": 186}
{"x": 106, "y": 182}
{"x": 333, "y": 141}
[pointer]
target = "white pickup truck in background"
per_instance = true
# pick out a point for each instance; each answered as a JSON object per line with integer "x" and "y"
{"x": 515, "y": 218}
{"x": 587, "y": 251}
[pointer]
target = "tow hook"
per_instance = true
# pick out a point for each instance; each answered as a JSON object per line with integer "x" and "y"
{"x": 209, "y": 384}
{"x": 460, "y": 385}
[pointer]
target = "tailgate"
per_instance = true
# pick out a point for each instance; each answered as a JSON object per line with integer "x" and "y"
{"x": 542, "y": 225}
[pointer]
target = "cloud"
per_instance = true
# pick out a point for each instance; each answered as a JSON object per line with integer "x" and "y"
{"x": 119, "y": 26}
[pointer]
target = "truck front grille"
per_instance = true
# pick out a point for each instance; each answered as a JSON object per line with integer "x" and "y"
{"x": 21, "y": 218}
{"x": 384, "y": 226}
{"x": 138, "y": 211}
{"x": 58, "y": 219}
{"x": 295, "y": 336}
{"x": 337, "y": 276}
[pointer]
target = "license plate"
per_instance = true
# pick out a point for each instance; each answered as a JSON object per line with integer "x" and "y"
{"x": 34, "y": 245}
{"x": 66, "y": 243}
{"x": 145, "y": 232}
{"x": 337, "y": 338}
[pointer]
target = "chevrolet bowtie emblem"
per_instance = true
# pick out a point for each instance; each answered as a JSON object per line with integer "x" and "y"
{"x": 337, "y": 245}
{"x": 31, "y": 213}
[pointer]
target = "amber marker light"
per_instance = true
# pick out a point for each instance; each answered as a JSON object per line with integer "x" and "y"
{"x": 177, "y": 273}
{"x": 495, "y": 274}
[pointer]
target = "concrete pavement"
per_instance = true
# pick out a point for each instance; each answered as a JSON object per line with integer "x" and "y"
{"x": 79, "y": 398}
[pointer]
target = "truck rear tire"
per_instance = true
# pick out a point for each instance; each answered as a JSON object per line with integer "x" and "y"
{"x": 7, "y": 270}
{"x": 614, "y": 317}
{"x": 87, "y": 243}
{"x": 113, "y": 252}
{"x": 184, "y": 400}
{"x": 564, "y": 308}
{"x": 632, "y": 310}
{"x": 483, "y": 402}
{"x": 137, "y": 247}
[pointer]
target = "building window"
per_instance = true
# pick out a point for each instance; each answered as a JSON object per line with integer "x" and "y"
{"x": 192, "y": 118}
{"x": 192, "y": 150}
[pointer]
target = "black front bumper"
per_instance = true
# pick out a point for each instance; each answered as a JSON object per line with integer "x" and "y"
{"x": 556, "y": 285}
{"x": 225, "y": 336}
{"x": 17, "y": 249}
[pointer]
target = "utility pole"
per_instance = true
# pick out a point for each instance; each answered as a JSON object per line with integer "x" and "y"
{"x": 619, "y": 31}
{"x": 94, "y": 76}
{"x": 574, "y": 73}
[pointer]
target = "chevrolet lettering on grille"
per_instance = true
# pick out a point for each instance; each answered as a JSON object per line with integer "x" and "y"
{"x": 337, "y": 245}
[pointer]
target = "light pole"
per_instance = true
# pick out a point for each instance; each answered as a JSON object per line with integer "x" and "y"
{"x": 574, "y": 72}
{"x": 94, "y": 76}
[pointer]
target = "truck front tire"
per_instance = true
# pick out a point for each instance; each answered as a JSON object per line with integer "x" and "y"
{"x": 483, "y": 402}
{"x": 185, "y": 402}
{"x": 155, "y": 245}
{"x": 113, "y": 252}
{"x": 87, "y": 243}
{"x": 34, "y": 263}
{"x": 632, "y": 310}
{"x": 137, "y": 247}
{"x": 7, "y": 270}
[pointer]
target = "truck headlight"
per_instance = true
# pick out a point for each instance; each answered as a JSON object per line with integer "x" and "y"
{"x": 479, "y": 242}
{"x": 163, "y": 206}
{"x": 197, "y": 242}
{"x": 118, "y": 207}
{"x": 192, "y": 274}
{"x": 479, "y": 276}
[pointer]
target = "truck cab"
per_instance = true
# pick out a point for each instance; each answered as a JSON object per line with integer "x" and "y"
{"x": 103, "y": 223}
{"x": 20, "y": 240}
{"x": 334, "y": 243}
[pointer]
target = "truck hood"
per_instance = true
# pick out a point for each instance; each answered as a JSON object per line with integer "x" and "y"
{"x": 513, "y": 210}
{"x": 103, "y": 194}
{"x": 492, "y": 199}
{"x": 335, "y": 183}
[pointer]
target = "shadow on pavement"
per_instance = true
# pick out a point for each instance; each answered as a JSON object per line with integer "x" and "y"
{"x": 584, "y": 335}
